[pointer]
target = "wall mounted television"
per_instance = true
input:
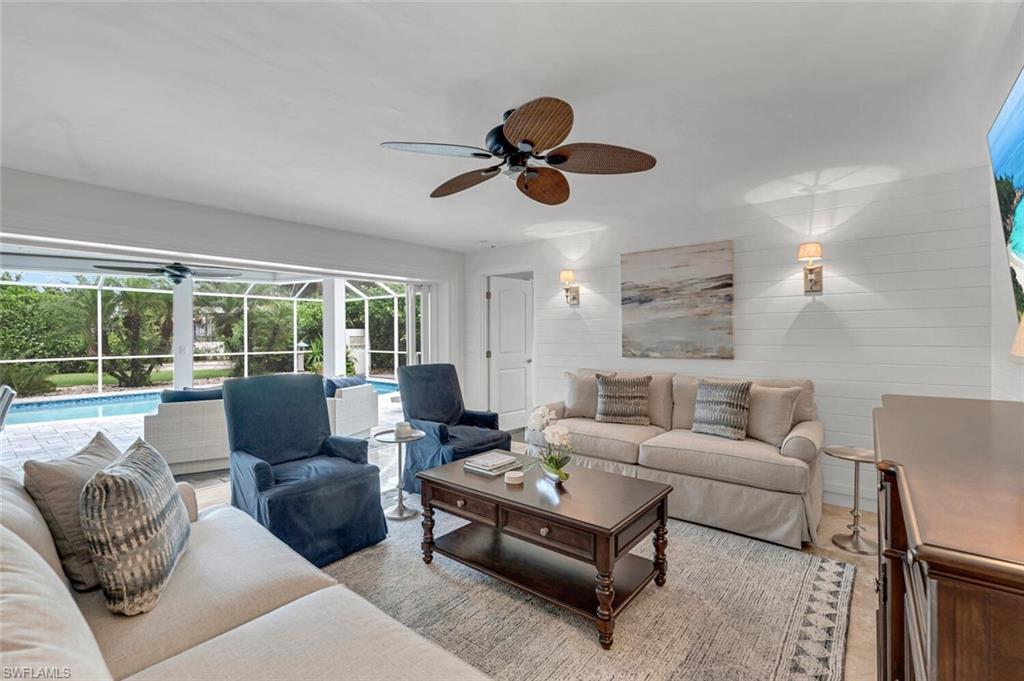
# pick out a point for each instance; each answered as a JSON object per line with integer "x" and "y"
{"x": 1006, "y": 148}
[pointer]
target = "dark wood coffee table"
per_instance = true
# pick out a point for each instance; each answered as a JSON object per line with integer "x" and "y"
{"x": 544, "y": 538}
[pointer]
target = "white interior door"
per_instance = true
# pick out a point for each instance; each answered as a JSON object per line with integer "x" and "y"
{"x": 510, "y": 350}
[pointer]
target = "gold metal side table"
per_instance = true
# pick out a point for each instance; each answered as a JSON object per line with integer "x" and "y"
{"x": 854, "y": 542}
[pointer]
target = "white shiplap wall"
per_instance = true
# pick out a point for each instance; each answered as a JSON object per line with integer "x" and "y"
{"x": 906, "y": 306}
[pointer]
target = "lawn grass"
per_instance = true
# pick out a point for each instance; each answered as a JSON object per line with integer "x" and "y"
{"x": 161, "y": 376}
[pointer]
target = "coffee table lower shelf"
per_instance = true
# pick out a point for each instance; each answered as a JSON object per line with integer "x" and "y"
{"x": 564, "y": 581}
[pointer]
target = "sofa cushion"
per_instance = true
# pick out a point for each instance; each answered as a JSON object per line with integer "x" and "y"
{"x": 56, "y": 486}
{"x": 21, "y": 516}
{"x": 42, "y": 628}
{"x": 233, "y": 572}
{"x": 611, "y": 441}
{"x": 659, "y": 397}
{"x": 747, "y": 462}
{"x": 771, "y": 413}
{"x": 333, "y": 633}
{"x": 191, "y": 395}
{"x": 310, "y": 630}
{"x": 684, "y": 400}
{"x": 137, "y": 527}
{"x": 622, "y": 399}
{"x": 722, "y": 409}
{"x": 335, "y": 383}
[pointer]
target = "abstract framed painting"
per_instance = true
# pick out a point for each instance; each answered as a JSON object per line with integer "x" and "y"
{"x": 678, "y": 302}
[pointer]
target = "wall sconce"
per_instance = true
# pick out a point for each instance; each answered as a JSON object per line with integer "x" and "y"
{"x": 1018, "y": 343}
{"x": 809, "y": 252}
{"x": 572, "y": 293}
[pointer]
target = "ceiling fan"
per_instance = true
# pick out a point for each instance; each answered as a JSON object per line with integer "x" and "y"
{"x": 530, "y": 135}
{"x": 175, "y": 271}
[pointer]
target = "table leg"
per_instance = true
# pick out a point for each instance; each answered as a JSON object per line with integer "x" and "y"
{"x": 400, "y": 511}
{"x": 401, "y": 494}
{"x": 660, "y": 544}
{"x": 428, "y": 533}
{"x": 605, "y": 620}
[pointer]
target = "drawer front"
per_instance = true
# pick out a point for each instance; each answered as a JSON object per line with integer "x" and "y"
{"x": 464, "y": 505}
{"x": 637, "y": 530}
{"x": 556, "y": 536}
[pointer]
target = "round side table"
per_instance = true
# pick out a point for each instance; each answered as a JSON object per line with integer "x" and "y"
{"x": 853, "y": 542}
{"x": 399, "y": 511}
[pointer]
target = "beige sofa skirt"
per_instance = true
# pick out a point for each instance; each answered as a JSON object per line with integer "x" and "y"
{"x": 778, "y": 517}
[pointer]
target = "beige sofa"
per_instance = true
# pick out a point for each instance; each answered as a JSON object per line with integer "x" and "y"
{"x": 240, "y": 605}
{"x": 745, "y": 486}
{"x": 193, "y": 436}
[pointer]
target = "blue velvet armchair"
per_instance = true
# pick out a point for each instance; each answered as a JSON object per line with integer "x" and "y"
{"x": 432, "y": 402}
{"x": 313, "y": 490}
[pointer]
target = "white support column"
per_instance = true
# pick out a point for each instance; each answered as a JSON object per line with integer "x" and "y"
{"x": 366, "y": 336}
{"x": 426, "y": 325}
{"x": 99, "y": 336}
{"x": 334, "y": 326}
{"x": 183, "y": 334}
{"x": 410, "y": 323}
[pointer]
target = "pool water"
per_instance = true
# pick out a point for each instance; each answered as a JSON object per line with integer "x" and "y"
{"x": 109, "y": 405}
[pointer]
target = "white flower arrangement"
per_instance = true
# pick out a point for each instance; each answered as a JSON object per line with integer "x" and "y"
{"x": 554, "y": 453}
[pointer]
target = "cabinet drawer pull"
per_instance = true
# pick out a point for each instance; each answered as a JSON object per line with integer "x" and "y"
{"x": 544, "y": 531}
{"x": 460, "y": 503}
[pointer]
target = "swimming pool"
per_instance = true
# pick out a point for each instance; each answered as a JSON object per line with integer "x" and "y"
{"x": 110, "y": 405}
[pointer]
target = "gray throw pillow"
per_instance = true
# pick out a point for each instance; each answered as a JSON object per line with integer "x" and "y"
{"x": 771, "y": 413}
{"x": 623, "y": 399}
{"x": 722, "y": 409}
{"x": 55, "y": 486}
{"x": 137, "y": 528}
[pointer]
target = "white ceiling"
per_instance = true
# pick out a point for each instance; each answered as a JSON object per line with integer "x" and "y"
{"x": 278, "y": 109}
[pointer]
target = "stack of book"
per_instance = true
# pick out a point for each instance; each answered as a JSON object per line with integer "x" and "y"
{"x": 491, "y": 464}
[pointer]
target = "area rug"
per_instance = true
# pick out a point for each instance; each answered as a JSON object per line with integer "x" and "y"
{"x": 732, "y": 609}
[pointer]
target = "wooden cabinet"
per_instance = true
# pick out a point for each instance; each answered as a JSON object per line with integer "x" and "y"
{"x": 951, "y": 530}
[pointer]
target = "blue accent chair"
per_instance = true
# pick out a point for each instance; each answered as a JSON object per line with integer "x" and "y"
{"x": 314, "y": 491}
{"x": 432, "y": 402}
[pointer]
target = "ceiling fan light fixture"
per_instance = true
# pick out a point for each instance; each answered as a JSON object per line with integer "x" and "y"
{"x": 529, "y": 133}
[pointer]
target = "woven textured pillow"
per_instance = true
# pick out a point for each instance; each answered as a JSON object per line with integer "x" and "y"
{"x": 623, "y": 399}
{"x": 137, "y": 528}
{"x": 722, "y": 409}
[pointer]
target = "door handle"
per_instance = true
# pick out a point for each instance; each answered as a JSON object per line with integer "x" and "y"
{"x": 529, "y": 361}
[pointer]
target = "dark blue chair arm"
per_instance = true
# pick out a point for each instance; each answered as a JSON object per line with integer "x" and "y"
{"x": 434, "y": 430}
{"x": 356, "y": 451}
{"x": 479, "y": 419}
{"x": 252, "y": 469}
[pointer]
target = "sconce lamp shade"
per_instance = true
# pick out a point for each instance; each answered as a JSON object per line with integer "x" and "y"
{"x": 809, "y": 251}
{"x": 567, "y": 276}
{"x": 1018, "y": 343}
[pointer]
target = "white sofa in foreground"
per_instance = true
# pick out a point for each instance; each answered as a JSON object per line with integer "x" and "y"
{"x": 193, "y": 435}
{"x": 239, "y": 605}
{"x": 751, "y": 487}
